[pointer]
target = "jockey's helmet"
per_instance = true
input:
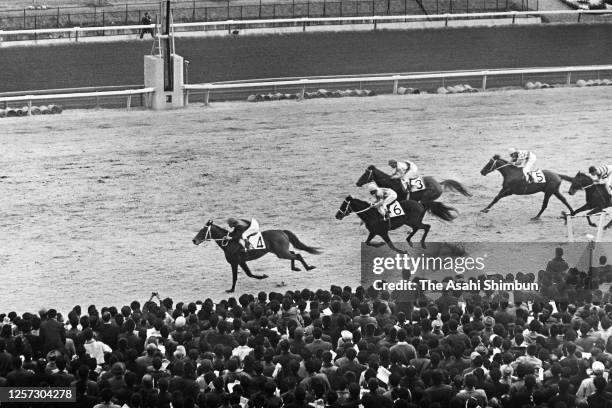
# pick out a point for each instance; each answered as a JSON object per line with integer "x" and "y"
{"x": 592, "y": 170}
{"x": 393, "y": 163}
{"x": 372, "y": 188}
{"x": 232, "y": 222}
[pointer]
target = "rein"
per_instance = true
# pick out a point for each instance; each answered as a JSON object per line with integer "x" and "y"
{"x": 497, "y": 168}
{"x": 348, "y": 209}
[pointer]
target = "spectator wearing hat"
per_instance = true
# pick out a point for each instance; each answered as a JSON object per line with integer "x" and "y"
{"x": 587, "y": 386}
{"x": 178, "y": 334}
{"x": 117, "y": 381}
{"x": 600, "y": 398}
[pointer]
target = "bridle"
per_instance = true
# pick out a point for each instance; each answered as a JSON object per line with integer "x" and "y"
{"x": 494, "y": 162}
{"x": 208, "y": 236}
{"x": 348, "y": 208}
{"x": 370, "y": 177}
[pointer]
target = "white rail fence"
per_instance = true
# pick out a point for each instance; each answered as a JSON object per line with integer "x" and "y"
{"x": 304, "y": 22}
{"x": 303, "y": 83}
{"x": 600, "y": 219}
{"x": 128, "y": 93}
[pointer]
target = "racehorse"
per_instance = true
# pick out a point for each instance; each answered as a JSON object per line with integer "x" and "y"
{"x": 276, "y": 241}
{"x": 597, "y": 196}
{"x": 431, "y": 192}
{"x": 514, "y": 183}
{"x": 413, "y": 217}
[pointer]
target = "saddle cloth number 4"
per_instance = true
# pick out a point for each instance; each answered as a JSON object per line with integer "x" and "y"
{"x": 417, "y": 184}
{"x": 396, "y": 210}
{"x": 537, "y": 176}
{"x": 257, "y": 241}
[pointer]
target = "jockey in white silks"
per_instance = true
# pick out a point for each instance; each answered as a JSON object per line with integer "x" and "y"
{"x": 383, "y": 198}
{"x": 245, "y": 229}
{"x": 405, "y": 171}
{"x": 602, "y": 175}
{"x": 523, "y": 159}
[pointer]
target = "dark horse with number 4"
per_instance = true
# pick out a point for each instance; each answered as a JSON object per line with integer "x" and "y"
{"x": 431, "y": 191}
{"x": 597, "y": 196}
{"x": 514, "y": 183}
{"x": 413, "y": 217}
{"x": 276, "y": 241}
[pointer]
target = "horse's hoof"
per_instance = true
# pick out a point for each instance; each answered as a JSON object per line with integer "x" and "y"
{"x": 484, "y": 210}
{"x": 264, "y": 276}
{"x": 295, "y": 269}
{"x": 310, "y": 268}
{"x": 535, "y": 218}
{"x": 229, "y": 291}
{"x": 411, "y": 244}
{"x": 423, "y": 245}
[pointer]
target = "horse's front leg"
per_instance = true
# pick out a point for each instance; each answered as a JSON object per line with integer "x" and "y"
{"x": 371, "y": 236}
{"x": 503, "y": 193}
{"x": 385, "y": 237}
{"x": 579, "y": 210}
{"x": 247, "y": 270}
{"x": 234, "y": 278}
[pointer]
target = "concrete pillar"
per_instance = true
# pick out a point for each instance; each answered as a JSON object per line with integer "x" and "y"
{"x": 154, "y": 78}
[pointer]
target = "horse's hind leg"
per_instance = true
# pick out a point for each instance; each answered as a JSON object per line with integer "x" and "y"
{"x": 300, "y": 258}
{"x": 544, "y": 205}
{"x": 248, "y": 272}
{"x": 563, "y": 200}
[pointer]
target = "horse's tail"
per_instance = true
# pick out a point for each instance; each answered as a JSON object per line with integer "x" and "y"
{"x": 454, "y": 185}
{"x": 299, "y": 244}
{"x": 566, "y": 178}
{"x": 440, "y": 210}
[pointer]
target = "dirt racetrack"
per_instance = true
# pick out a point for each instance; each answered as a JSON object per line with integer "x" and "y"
{"x": 101, "y": 206}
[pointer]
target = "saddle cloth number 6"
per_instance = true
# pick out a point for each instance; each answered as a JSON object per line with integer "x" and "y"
{"x": 257, "y": 241}
{"x": 396, "y": 210}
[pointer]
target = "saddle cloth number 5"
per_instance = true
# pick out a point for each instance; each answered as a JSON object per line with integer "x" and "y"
{"x": 396, "y": 210}
{"x": 257, "y": 241}
{"x": 538, "y": 176}
{"x": 417, "y": 184}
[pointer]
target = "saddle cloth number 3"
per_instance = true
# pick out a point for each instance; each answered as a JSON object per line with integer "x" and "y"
{"x": 417, "y": 184}
{"x": 537, "y": 176}
{"x": 396, "y": 210}
{"x": 257, "y": 241}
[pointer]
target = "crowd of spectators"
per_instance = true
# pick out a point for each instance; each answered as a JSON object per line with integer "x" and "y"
{"x": 335, "y": 348}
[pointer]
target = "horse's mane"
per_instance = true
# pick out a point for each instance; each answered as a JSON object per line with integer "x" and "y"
{"x": 499, "y": 158}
